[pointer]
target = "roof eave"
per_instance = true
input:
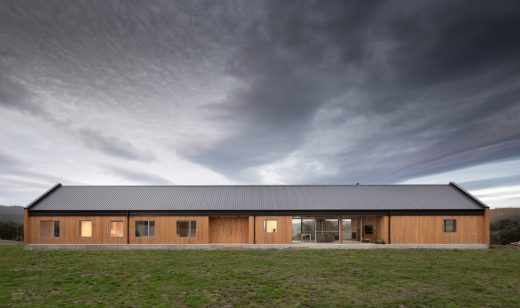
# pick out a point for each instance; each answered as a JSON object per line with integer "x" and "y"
{"x": 43, "y": 196}
{"x": 467, "y": 193}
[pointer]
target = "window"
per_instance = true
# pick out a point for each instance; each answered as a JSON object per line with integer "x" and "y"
{"x": 49, "y": 228}
{"x": 270, "y": 226}
{"x": 369, "y": 229}
{"x": 144, "y": 228}
{"x": 85, "y": 228}
{"x": 116, "y": 229}
{"x": 450, "y": 225}
{"x": 186, "y": 228}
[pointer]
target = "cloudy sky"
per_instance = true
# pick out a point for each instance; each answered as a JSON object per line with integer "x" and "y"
{"x": 254, "y": 92}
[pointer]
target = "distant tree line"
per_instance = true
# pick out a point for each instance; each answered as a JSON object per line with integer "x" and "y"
{"x": 11, "y": 231}
{"x": 505, "y": 232}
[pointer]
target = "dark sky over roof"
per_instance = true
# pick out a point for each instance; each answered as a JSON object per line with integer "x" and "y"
{"x": 259, "y": 92}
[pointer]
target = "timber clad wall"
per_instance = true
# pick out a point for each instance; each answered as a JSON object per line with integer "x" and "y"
{"x": 430, "y": 230}
{"x": 69, "y": 230}
{"x": 281, "y": 236}
{"x": 471, "y": 229}
{"x": 166, "y": 230}
{"x": 231, "y": 230}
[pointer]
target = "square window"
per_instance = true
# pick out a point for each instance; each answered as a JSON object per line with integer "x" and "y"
{"x": 270, "y": 226}
{"x": 186, "y": 228}
{"x": 116, "y": 228}
{"x": 369, "y": 229}
{"x": 85, "y": 228}
{"x": 144, "y": 228}
{"x": 450, "y": 225}
{"x": 49, "y": 228}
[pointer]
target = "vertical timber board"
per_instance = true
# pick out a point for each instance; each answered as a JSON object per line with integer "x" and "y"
{"x": 166, "y": 230}
{"x": 229, "y": 230}
{"x": 430, "y": 230}
{"x": 486, "y": 226}
{"x": 283, "y": 234}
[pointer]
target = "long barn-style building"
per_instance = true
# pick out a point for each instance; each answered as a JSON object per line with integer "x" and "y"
{"x": 281, "y": 214}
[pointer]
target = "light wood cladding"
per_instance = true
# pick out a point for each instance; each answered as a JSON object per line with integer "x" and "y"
{"x": 70, "y": 233}
{"x": 229, "y": 230}
{"x": 283, "y": 234}
{"x": 166, "y": 230}
{"x": 485, "y": 226}
{"x": 471, "y": 229}
{"x": 382, "y": 228}
{"x": 430, "y": 230}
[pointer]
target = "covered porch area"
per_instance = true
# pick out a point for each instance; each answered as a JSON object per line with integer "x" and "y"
{"x": 340, "y": 229}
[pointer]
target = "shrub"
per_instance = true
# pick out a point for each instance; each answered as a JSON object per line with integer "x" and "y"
{"x": 505, "y": 232}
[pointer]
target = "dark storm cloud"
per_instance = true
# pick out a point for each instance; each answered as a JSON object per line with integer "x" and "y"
{"x": 444, "y": 76}
{"x": 328, "y": 92}
{"x": 142, "y": 178}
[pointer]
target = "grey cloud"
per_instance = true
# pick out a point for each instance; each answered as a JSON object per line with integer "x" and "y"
{"x": 491, "y": 182}
{"x": 435, "y": 71}
{"x": 409, "y": 89}
{"x": 138, "y": 177}
{"x": 113, "y": 146}
{"x": 13, "y": 95}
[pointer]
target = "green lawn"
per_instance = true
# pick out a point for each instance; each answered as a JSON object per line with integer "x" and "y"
{"x": 259, "y": 277}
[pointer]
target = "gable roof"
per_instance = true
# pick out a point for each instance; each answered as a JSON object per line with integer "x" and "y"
{"x": 256, "y": 198}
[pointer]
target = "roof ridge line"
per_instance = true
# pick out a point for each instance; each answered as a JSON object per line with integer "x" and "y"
{"x": 260, "y": 185}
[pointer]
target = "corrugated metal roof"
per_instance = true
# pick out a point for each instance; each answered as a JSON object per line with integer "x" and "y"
{"x": 266, "y": 198}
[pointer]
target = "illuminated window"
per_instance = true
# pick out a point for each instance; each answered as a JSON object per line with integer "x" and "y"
{"x": 450, "y": 225}
{"x": 270, "y": 226}
{"x": 116, "y": 229}
{"x": 186, "y": 228}
{"x": 144, "y": 228}
{"x": 85, "y": 228}
{"x": 49, "y": 228}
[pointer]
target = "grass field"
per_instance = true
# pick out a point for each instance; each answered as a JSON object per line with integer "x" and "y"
{"x": 260, "y": 277}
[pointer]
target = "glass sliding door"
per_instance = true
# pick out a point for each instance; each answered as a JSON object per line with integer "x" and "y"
{"x": 347, "y": 229}
{"x": 327, "y": 230}
{"x": 296, "y": 230}
{"x": 308, "y": 230}
{"x": 303, "y": 230}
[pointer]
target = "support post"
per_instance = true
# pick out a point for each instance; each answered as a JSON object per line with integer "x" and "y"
{"x": 389, "y": 223}
{"x": 361, "y": 229}
{"x": 128, "y": 227}
{"x": 340, "y": 228}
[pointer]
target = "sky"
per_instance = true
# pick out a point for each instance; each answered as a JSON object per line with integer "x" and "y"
{"x": 260, "y": 92}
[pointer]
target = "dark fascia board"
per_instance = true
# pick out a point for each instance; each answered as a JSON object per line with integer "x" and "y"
{"x": 43, "y": 196}
{"x": 263, "y": 213}
{"x": 467, "y": 193}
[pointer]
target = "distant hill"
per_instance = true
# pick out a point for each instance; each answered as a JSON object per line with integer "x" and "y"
{"x": 13, "y": 213}
{"x": 512, "y": 213}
